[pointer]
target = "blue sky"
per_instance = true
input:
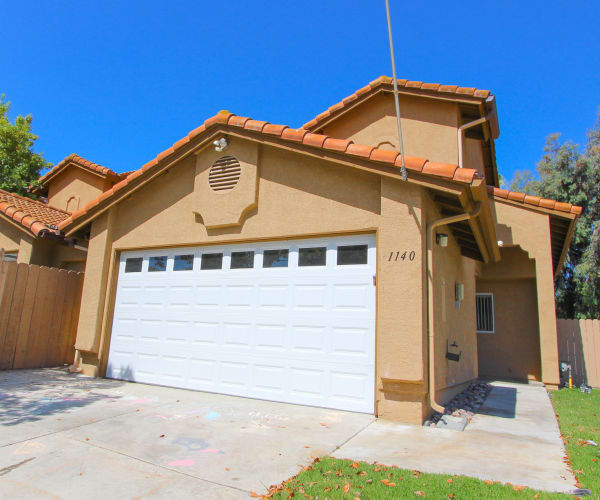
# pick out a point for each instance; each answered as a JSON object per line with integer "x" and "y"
{"x": 118, "y": 82}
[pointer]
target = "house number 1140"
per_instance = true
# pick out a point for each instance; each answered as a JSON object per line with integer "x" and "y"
{"x": 394, "y": 256}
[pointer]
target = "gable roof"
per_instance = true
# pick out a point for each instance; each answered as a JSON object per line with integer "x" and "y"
{"x": 74, "y": 159}
{"x": 31, "y": 215}
{"x": 404, "y": 86}
{"x": 297, "y": 137}
{"x": 563, "y": 217}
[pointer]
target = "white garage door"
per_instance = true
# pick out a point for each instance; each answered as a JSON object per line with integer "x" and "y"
{"x": 290, "y": 321}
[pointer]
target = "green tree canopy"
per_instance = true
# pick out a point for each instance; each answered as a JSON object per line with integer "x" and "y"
{"x": 570, "y": 174}
{"x": 20, "y": 166}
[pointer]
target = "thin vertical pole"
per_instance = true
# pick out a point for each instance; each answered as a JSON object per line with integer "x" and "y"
{"x": 397, "y": 102}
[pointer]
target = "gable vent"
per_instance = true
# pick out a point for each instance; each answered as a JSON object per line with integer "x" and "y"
{"x": 224, "y": 174}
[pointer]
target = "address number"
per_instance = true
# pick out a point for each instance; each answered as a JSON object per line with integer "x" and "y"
{"x": 406, "y": 255}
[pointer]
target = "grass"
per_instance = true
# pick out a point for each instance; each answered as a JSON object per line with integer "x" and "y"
{"x": 579, "y": 419}
{"x": 330, "y": 478}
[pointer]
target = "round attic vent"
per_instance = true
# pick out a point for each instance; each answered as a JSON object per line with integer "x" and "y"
{"x": 224, "y": 174}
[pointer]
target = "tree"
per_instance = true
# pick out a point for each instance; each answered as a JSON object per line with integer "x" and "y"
{"x": 568, "y": 174}
{"x": 20, "y": 166}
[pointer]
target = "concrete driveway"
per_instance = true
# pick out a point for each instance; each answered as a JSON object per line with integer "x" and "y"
{"x": 66, "y": 436}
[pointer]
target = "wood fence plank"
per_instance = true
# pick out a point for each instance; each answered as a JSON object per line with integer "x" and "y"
{"x": 39, "y": 320}
{"x": 53, "y": 347}
{"x": 23, "y": 338}
{"x": 9, "y": 278}
{"x": 16, "y": 309}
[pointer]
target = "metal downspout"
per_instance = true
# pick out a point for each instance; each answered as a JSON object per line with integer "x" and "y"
{"x": 464, "y": 127}
{"x": 431, "y": 227}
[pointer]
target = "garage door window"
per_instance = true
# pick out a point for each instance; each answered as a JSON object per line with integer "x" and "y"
{"x": 312, "y": 256}
{"x": 352, "y": 255}
{"x": 275, "y": 258}
{"x": 183, "y": 263}
{"x": 157, "y": 264}
{"x": 242, "y": 260}
{"x": 134, "y": 265}
{"x": 211, "y": 261}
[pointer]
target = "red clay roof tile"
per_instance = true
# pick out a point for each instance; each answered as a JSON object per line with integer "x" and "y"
{"x": 440, "y": 169}
{"x": 534, "y": 201}
{"x": 31, "y": 214}
{"x": 292, "y": 134}
{"x": 360, "y": 150}
{"x": 238, "y": 121}
{"x": 81, "y": 162}
{"x": 316, "y": 140}
{"x": 386, "y": 80}
{"x": 336, "y": 144}
{"x": 411, "y": 162}
{"x": 384, "y": 155}
{"x": 255, "y": 125}
{"x": 274, "y": 129}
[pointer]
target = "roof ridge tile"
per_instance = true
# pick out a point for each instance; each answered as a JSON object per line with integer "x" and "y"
{"x": 534, "y": 201}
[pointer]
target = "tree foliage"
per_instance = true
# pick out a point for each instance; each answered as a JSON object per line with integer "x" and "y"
{"x": 20, "y": 166}
{"x": 570, "y": 174}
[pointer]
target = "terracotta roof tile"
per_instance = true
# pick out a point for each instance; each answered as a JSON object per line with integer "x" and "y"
{"x": 336, "y": 144}
{"x": 31, "y": 214}
{"x": 407, "y": 84}
{"x": 534, "y": 201}
{"x": 450, "y": 172}
{"x": 384, "y": 155}
{"x": 82, "y": 162}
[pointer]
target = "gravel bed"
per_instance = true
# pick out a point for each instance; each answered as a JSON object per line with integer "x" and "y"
{"x": 464, "y": 404}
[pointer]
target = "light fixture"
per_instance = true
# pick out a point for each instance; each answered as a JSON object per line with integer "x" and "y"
{"x": 500, "y": 243}
{"x": 220, "y": 144}
{"x": 441, "y": 239}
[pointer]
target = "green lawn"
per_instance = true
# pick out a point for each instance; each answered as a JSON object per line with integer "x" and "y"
{"x": 579, "y": 419}
{"x": 330, "y": 478}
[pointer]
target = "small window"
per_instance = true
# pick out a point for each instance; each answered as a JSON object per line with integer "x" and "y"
{"x": 352, "y": 255}
{"x": 242, "y": 260}
{"x": 312, "y": 256}
{"x": 485, "y": 312}
{"x": 134, "y": 265}
{"x": 157, "y": 264}
{"x": 10, "y": 257}
{"x": 211, "y": 261}
{"x": 275, "y": 258}
{"x": 183, "y": 263}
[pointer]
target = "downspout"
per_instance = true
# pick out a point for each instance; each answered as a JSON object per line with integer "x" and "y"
{"x": 464, "y": 127}
{"x": 431, "y": 227}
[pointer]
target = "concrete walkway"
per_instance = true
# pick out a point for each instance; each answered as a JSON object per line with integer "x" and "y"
{"x": 65, "y": 436}
{"x": 514, "y": 438}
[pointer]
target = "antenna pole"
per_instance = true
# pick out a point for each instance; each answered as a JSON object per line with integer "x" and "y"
{"x": 397, "y": 102}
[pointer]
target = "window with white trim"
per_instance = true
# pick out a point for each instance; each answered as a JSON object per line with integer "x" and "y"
{"x": 485, "y": 312}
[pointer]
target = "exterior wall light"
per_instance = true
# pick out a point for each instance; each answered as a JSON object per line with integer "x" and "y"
{"x": 441, "y": 239}
{"x": 220, "y": 144}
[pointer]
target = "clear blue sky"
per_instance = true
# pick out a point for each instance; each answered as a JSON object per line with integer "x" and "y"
{"x": 118, "y": 82}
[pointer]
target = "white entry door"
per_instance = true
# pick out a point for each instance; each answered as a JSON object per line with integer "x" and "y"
{"x": 290, "y": 321}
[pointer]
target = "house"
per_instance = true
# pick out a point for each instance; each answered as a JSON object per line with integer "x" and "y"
{"x": 28, "y": 227}
{"x": 303, "y": 266}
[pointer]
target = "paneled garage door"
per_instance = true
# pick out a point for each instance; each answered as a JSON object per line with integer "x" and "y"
{"x": 290, "y": 321}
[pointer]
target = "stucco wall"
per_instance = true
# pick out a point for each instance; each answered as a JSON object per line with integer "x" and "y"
{"x": 10, "y": 236}
{"x": 429, "y": 127}
{"x": 530, "y": 230}
{"x": 453, "y": 322}
{"x": 297, "y": 197}
{"x": 473, "y": 155}
{"x": 513, "y": 350}
{"x": 74, "y": 187}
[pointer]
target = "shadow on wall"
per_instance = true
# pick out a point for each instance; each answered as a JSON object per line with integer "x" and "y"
{"x": 502, "y": 402}
{"x": 31, "y": 395}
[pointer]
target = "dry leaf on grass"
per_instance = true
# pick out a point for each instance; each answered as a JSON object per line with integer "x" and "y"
{"x": 346, "y": 487}
{"x": 354, "y": 464}
{"x": 449, "y": 481}
{"x": 419, "y": 493}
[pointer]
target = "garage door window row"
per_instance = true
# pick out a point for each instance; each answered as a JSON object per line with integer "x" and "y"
{"x": 272, "y": 258}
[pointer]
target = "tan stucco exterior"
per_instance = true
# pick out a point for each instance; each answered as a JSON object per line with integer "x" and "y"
{"x": 72, "y": 188}
{"x": 429, "y": 128}
{"x": 11, "y": 236}
{"x": 290, "y": 194}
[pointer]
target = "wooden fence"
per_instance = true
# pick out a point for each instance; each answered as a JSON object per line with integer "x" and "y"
{"x": 579, "y": 345}
{"x": 39, "y": 310}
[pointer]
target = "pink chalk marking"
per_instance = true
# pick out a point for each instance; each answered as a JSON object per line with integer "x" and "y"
{"x": 210, "y": 450}
{"x": 140, "y": 400}
{"x": 186, "y": 462}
